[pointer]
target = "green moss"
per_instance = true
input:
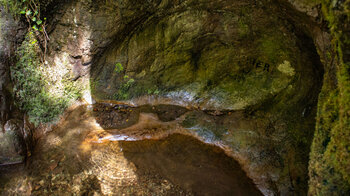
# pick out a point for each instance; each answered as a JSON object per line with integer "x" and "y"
{"x": 274, "y": 48}
{"x": 243, "y": 28}
{"x": 233, "y": 74}
{"x": 330, "y": 155}
{"x": 31, "y": 85}
{"x": 123, "y": 92}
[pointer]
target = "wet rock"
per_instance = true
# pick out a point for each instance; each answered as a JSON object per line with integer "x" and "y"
{"x": 12, "y": 146}
{"x": 12, "y": 32}
{"x": 6, "y": 48}
{"x": 217, "y": 56}
{"x": 214, "y": 55}
{"x": 149, "y": 167}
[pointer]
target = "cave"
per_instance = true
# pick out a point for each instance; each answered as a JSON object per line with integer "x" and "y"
{"x": 131, "y": 88}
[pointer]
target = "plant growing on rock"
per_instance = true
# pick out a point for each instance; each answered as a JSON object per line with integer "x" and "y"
{"x": 123, "y": 92}
{"x": 127, "y": 82}
{"x": 118, "y": 67}
{"x": 14, "y": 7}
{"x": 32, "y": 82}
{"x": 30, "y": 9}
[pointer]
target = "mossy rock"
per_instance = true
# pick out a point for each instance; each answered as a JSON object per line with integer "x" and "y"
{"x": 203, "y": 57}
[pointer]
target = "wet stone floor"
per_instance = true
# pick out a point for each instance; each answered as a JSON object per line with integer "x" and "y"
{"x": 109, "y": 149}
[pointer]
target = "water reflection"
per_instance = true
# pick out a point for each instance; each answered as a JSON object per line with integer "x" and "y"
{"x": 80, "y": 157}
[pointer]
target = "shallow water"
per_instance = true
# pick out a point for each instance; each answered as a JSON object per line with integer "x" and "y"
{"x": 104, "y": 150}
{"x": 196, "y": 167}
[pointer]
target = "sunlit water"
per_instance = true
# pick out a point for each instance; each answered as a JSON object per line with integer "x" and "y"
{"x": 120, "y": 150}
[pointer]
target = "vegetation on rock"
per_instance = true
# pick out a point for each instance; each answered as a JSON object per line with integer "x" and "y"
{"x": 39, "y": 90}
{"x": 329, "y": 168}
{"x": 238, "y": 59}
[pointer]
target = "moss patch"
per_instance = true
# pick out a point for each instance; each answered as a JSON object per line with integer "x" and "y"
{"x": 42, "y": 91}
{"x": 216, "y": 61}
{"x": 330, "y": 155}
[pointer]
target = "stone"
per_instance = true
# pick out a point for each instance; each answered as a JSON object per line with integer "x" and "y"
{"x": 202, "y": 59}
{"x": 245, "y": 57}
{"x": 12, "y": 147}
{"x": 258, "y": 60}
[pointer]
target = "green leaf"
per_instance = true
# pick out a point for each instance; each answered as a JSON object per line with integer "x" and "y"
{"x": 118, "y": 68}
{"x": 34, "y": 19}
{"x": 23, "y": 12}
{"x": 39, "y": 22}
{"x": 28, "y": 12}
{"x": 131, "y": 81}
{"x": 35, "y": 27}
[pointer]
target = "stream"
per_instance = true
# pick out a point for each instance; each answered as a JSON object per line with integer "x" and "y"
{"x": 115, "y": 149}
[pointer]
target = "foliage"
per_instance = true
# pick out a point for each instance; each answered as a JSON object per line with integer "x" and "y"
{"x": 13, "y": 6}
{"x": 94, "y": 84}
{"x": 126, "y": 84}
{"x": 32, "y": 12}
{"x": 30, "y": 9}
{"x": 153, "y": 91}
{"x": 123, "y": 92}
{"x": 330, "y": 153}
{"x": 31, "y": 85}
{"x": 118, "y": 67}
{"x": 42, "y": 91}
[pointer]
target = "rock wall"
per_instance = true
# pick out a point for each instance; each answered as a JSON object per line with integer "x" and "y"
{"x": 247, "y": 58}
{"x": 7, "y": 48}
{"x": 15, "y": 134}
{"x": 330, "y": 153}
{"x": 259, "y": 64}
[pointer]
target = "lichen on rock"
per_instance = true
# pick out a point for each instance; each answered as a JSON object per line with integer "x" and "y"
{"x": 286, "y": 68}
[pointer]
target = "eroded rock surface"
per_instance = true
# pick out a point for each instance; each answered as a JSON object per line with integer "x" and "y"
{"x": 13, "y": 135}
{"x": 242, "y": 75}
{"x": 247, "y": 58}
{"x": 222, "y": 58}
